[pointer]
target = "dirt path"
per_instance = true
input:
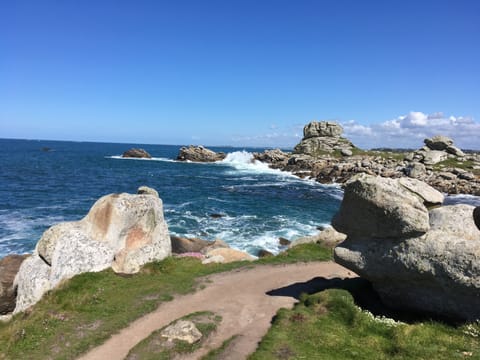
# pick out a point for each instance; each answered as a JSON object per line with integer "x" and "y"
{"x": 239, "y": 296}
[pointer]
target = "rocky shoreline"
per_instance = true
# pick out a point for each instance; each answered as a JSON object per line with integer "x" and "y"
{"x": 326, "y": 156}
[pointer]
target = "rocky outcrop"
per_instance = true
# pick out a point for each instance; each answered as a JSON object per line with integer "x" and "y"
{"x": 184, "y": 330}
{"x": 181, "y": 245}
{"x": 328, "y": 237}
{"x": 9, "y": 266}
{"x": 424, "y": 164}
{"x": 199, "y": 154}
{"x": 136, "y": 153}
{"x": 322, "y": 137}
{"x": 226, "y": 255}
{"x": 276, "y": 157}
{"x": 417, "y": 257}
{"x": 437, "y": 149}
{"x": 121, "y": 231}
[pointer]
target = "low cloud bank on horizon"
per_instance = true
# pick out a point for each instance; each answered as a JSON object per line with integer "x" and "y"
{"x": 406, "y": 131}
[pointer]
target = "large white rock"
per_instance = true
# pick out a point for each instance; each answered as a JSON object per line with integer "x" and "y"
{"x": 122, "y": 231}
{"x": 369, "y": 198}
{"x": 437, "y": 271}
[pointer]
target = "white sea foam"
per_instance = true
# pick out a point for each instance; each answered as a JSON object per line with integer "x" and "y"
{"x": 462, "y": 199}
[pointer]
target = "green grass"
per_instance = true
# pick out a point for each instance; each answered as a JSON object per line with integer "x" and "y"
{"x": 89, "y": 308}
{"x": 156, "y": 347}
{"x": 454, "y": 163}
{"x": 328, "y": 325}
{"x": 214, "y": 354}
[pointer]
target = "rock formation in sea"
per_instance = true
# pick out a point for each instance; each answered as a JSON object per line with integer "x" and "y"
{"x": 199, "y": 154}
{"x": 121, "y": 231}
{"x": 136, "y": 153}
{"x": 327, "y": 157}
{"x": 418, "y": 255}
{"x": 320, "y": 137}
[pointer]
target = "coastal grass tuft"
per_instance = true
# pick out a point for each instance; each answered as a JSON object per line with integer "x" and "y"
{"x": 328, "y": 325}
{"x": 87, "y": 309}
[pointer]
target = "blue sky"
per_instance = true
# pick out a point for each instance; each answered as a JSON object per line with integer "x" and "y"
{"x": 240, "y": 72}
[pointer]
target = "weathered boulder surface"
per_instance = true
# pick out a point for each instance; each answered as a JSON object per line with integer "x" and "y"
{"x": 322, "y": 137}
{"x": 184, "y": 330}
{"x": 328, "y": 237}
{"x": 9, "y": 266}
{"x": 431, "y": 267}
{"x": 181, "y": 245}
{"x": 226, "y": 255}
{"x": 368, "y": 198}
{"x": 199, "y": 154}
{"x": 136, "y": 153}
{"x": 122, "y": 231}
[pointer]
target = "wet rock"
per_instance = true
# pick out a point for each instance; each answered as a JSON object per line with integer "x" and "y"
{"x": 182, "y": 245}
{"x": 199, "y": 154}
{"x": 264, "y": 253}
{"x": 136, "y": 153}
{"x": 284, "y": 242}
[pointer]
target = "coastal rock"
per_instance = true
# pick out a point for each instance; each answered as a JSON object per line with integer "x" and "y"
{"x": 226, "y": 255}
{"x": 31, "y": 282}
{"x": 415, "y": 170}
{"x": 322, "y": 128}
{"x": 264, "y": 253}
{"x": 429, "y": 195}
{"x": 412, "y": 270}
{"x": 136, "y": 153}
{"x": 182, "y": 245}
{"x": 275, "y": 156}
{"x": 433, "y": 157}
{"x": 322, "y": 137}
{"x": 438, "y": 142}
{"x": 122, "y": 231}
{"x": 9, "y": 266}
{"x": 199, "y": 154}
{"x": 145, "y": 190}
{"x": 183, "y": 330}
{"x": 328, "y": 237}
{"x": 368, "y": 198}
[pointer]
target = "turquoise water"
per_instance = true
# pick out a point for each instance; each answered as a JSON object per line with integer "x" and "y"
{"x": 40, "y": 188}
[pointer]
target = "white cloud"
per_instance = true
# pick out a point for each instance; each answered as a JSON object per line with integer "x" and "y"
{"x": 410, "y": 130}
{"x": 406, "y": 131}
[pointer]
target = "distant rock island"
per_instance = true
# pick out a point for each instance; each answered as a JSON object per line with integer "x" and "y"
{"x": 136, "y": 153}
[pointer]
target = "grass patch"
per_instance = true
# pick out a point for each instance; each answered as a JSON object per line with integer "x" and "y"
{"x": 454, "y": 163}
{"x": 89, "y": 308}
{"x": 216, "y": 353}
{"x": 328, "y": 325}
{"x": 157, "y": 347}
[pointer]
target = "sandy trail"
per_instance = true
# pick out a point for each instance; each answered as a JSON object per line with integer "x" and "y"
{"x": 239, "y": 296}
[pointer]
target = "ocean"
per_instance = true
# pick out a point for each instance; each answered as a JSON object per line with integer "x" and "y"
{"x": 39, "y": 188}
